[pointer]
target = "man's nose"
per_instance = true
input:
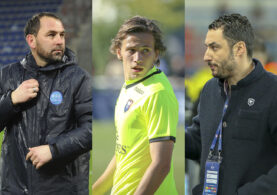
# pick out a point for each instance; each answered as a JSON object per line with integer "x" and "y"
{"x": 59, "y": 40}
{"x": 207, "y": 55}
{"x": 138, "y": 57}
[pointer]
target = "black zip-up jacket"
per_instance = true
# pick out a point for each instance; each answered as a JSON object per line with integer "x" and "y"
{"x": 249, "y": 165}
{"x": 64, "y": 122}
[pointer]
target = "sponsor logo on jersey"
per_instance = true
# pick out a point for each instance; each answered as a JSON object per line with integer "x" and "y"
{"x": 140, "y": 91}
{"x": 121, "y": 149}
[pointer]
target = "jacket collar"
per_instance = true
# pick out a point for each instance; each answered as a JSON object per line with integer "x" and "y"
{"x": 250, "y": 78}
{"x": 29, "y": 62}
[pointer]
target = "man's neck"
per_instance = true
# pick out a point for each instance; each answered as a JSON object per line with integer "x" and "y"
{"x": 242, "y": 71}
{"x": 40, "y": 62}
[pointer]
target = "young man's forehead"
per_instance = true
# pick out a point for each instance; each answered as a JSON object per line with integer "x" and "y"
{"x": 140, "y": 38}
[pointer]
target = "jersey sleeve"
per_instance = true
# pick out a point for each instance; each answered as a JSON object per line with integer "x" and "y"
{"x": 161, "y": 110}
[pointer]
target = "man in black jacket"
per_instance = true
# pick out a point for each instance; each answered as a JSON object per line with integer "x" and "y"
{"x": 239, "y": 105}
{"x": 46, "y": 111}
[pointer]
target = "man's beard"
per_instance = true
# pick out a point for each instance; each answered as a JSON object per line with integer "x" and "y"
{"x": 50, "y": 57}
{"x": 226, "y": 69}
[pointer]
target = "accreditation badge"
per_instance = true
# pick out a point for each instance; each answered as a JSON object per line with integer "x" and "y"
{"x": 211, "y": 178}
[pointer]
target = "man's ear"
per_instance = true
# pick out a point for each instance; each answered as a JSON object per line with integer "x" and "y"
{"x": 31, "y": 40}
{"x": 239, "y": 48}
{"x": 118, "y": 53}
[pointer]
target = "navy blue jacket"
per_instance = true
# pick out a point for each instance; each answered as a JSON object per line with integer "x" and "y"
{"x": 249, "y": 165}
{"x": 64, "y": 123}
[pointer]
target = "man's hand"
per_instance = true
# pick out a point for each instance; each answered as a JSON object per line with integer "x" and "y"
{"x": 26, "y": 91}
{"x": 39, "y": 155}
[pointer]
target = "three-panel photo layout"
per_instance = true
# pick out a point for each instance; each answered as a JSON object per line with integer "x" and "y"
{"x": 138, "y": 97}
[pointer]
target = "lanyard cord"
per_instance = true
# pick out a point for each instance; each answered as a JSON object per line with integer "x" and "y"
{"x": 218, "y": 134}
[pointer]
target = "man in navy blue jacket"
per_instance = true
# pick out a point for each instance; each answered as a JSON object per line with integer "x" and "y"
{"x": 46, "y": 111}
{"x": 241, "y": 103}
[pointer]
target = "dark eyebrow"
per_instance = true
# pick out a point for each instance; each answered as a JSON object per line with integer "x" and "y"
{"x": 130, "y": 47}
{"x": 146, "y": 46}
{"x": 53, "y": 31}
{"x": 135, "y": 46}
{"x": 211, "y": 44}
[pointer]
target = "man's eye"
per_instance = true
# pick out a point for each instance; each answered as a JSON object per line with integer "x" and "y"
{"x": 145, "y": 50}
{"x": 131, "y": 50}
{"x": 214, "y": 48}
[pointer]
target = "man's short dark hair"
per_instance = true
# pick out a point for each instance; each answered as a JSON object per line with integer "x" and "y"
{"x": 235, "y": 28}
{"x": 139, "y": 24}
{"x": 33, "y": 25}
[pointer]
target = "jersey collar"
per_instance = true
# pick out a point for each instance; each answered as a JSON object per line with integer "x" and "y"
{"x": 131, "y": 83}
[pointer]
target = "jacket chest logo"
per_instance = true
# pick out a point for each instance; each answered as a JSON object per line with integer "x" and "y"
{"x": 251, "y": 101}
{"x": 128, "y": 105}
{"x": 56, "y": 97}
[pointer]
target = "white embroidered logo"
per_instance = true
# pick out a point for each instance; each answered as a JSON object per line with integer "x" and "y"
{"x": 251, "y": 101}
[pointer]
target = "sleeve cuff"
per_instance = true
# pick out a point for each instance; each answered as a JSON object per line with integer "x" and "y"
{"x": 158, "y": 139}
{"x": 7, "y": 107}
{"x": 54, "y": 151}
{"x": 16, "y": 108}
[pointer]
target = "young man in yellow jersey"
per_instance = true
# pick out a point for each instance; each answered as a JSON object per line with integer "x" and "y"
{"x": 146, "y": 116}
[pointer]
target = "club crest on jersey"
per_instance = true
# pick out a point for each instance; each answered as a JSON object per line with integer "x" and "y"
{"x": 128, "y": 105}
{"x": 56, "y": 97}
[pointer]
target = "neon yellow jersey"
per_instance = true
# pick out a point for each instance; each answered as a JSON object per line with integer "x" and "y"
{"x": 146, "y": 111}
